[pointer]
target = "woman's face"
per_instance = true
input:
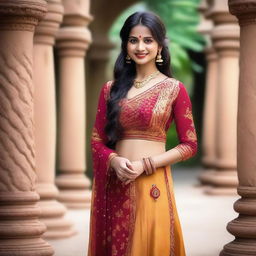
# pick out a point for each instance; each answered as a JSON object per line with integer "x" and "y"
{"x": 141, "y": 46}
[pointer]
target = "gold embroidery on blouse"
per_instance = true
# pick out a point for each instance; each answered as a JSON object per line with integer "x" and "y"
{"x": 191, "y": 135}
{"x": 185, "y": 151}
{"x": 162, "y": 108}
{"x": 188, "y": 114}
{"x": 163, "y": 94}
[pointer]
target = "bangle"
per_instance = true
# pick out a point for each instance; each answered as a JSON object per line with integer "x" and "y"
{"x": 152, "y": 163}
{"x": 111, "y": 156}
{"x": 144, "y": 166}
{"x": 148, "y": 166}
{"x": 150, "y": 170}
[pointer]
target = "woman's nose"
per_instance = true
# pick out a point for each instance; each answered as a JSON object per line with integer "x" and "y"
{"x": 141, "y": 46}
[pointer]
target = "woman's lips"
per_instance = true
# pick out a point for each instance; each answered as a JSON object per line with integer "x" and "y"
{"x": 141, "y": 56}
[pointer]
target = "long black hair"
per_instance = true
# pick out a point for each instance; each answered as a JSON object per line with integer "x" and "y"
{"x": 124, "y": 74}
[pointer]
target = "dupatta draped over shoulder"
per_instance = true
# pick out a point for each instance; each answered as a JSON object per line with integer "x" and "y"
{"x": 112, "y": 210}
{"x": 146, "y": 116}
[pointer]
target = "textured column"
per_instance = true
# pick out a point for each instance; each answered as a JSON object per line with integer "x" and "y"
{"x": 244, "y": 227}
{"x": 225, "y": 36}
{"x": 209, "y": 116}
{"x": 20, "y": 229}
{"x": 45, "y": 124}
{"x": 73, "y": 40}
{"x": 99, "y": 56}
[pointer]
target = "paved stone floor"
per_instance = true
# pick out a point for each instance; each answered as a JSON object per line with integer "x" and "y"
{"x": 203, "y": 219}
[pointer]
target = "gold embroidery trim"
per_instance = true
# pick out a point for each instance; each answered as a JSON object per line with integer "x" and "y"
{"x": 188, "y": 114}
{"x": 191, "y": 135}
{"x": 165, "y": 94}
{"x": 185, "y": 151}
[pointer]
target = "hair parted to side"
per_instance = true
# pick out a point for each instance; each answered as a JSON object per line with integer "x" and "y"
{"x": 124, "y": 74}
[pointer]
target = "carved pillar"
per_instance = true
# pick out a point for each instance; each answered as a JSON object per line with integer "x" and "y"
{"x": 225, "y": 36}
{"x": 244, "y": 227}
{"x": 73, "y": 40}
{"x": 209, "y": 117}
{"x": 99, "y": 55}
{"x": 20, "y": 229}
{"x": 45, "y": 124}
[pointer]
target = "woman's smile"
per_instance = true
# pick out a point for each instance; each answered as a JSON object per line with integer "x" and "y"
{"x": 141, "y": 55}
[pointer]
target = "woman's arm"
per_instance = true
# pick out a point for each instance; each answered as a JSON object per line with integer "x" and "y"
{"x": 187, "y": 147}
{"x": 100, "y": 152}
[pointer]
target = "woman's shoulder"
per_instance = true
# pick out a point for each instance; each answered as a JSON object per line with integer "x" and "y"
{"x": 106, "y": 88}
{"x": 172, "y": 85}
{"x": 107, "y": 84}
{"x": 175, "y": 84}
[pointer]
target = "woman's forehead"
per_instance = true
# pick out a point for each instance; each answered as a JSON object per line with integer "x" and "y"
{"x": 140, "y": 31}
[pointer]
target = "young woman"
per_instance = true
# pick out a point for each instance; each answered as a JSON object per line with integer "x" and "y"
{"x": 133, "y": 207}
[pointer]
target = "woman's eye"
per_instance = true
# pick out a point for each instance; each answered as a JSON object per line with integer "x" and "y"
{"x": 132, "y": 40}
{"x": 148, "y": 41}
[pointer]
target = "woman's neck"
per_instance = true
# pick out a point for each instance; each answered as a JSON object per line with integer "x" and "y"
{"x": 144, "y": 71}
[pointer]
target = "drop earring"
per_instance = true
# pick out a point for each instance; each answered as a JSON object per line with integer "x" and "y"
{"x": 128, "y": 59}
{"x": 159, "y": 60}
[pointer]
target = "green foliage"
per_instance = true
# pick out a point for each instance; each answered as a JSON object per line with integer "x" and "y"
{"x": 181, "y": 18}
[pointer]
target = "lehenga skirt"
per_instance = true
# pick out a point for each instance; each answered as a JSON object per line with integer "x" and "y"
{"x": 157, "y": 230}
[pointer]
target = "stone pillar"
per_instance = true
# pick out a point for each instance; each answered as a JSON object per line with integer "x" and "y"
{"x": 45, "y": 124}
{"x": 20, "y": 229}
{"x": 244, "y": 227}
{"x": 209, "y": 116}
{"x": 73, "y": 40}
{"x": 98, "y": 55}
{"x": 225, "y": 37}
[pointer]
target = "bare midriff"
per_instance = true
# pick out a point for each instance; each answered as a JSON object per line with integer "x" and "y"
{"x": 136, "y": 149}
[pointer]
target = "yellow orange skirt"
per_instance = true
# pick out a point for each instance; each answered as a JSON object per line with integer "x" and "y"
{"x": 157, "y": 230}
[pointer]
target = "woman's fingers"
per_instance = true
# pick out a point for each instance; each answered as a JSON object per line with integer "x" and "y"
{"x": 126, "y": 168}
{"x": 126, "y": 175}
{"x": 129, "y": 164}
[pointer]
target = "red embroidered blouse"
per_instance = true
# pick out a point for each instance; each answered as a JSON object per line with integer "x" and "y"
{"x": 149, "y": 115}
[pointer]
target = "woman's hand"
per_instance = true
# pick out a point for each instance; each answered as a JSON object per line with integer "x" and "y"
{"x": 137, "y": 168}
{"x": 123, "y": 168}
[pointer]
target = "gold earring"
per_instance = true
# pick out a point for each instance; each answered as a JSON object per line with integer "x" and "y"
{"x": 128, "y": 59}
{"x": 159, "y": 60}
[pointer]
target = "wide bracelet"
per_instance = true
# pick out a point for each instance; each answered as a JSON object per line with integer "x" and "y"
{"x": 112, "y": 155}
{"x": 148, "y": 165}
{"x": 152, "y": 164}
{"x": 144, "y": 166}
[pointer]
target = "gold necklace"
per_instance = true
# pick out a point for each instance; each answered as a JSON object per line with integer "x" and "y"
{"x": 139, "y": 84}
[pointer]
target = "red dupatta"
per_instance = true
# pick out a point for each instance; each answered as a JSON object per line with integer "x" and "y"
{"x": 113, "y": 205}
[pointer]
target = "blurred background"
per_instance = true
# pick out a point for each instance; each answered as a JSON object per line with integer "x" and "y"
{"x": 72, "y": 55}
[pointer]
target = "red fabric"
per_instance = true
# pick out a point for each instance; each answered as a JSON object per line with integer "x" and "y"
{"x": 112, "y": 212}
{"x": 113, "y": 204}
{"x": 182, "y": 115}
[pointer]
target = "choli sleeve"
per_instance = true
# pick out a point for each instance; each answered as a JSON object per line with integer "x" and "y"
{"x": 182, "y": 114}
{"x": 100, "y": 152}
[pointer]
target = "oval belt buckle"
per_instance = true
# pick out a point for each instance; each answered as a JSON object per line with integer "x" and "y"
{"x": 154, "y": 191}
